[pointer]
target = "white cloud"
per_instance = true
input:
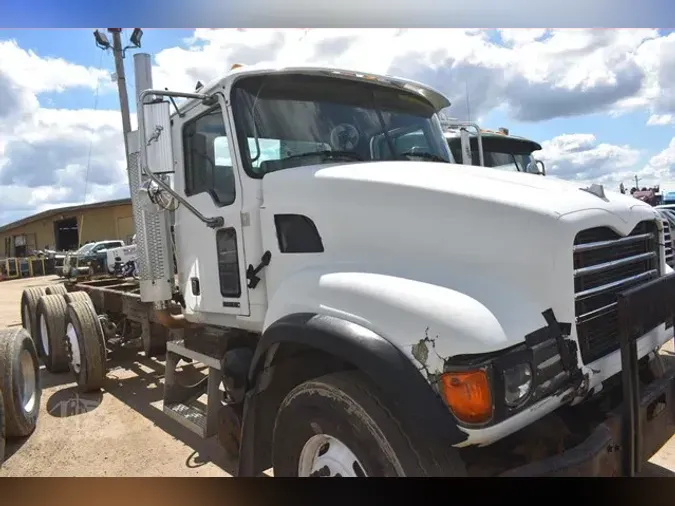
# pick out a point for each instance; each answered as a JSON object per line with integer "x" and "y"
{"x": 533, "y": 75}
{"x": 538, "y": 74}
{"x": 580, "y": 157}
{"x": 661, "y": 168}
{"x": 45, "y": 152}
{"x": 661, "y": 119}
{"x": 36, "y": 74}
{"x": 521, "y": 36}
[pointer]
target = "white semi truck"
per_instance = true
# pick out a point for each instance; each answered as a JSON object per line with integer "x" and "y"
{"x": 364, "y": 305}
{"x": 498, "y": 149}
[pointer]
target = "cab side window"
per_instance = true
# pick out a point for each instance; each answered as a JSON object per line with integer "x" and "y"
{"x": 208, "y": 166}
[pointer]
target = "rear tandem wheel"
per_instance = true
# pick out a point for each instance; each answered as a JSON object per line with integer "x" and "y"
{"x": 19, "y": 381}
{"x": 85, "y": 344}
{"x": 29, "y": 300}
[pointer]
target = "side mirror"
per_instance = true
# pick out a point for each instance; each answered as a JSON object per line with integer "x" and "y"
{"x": 539, "y": 163}
{"x": 158, "y": 144}
{"x": 537, "y": 167}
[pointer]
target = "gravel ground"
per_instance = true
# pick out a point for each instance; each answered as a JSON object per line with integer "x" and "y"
{"x": 123, "y": 432}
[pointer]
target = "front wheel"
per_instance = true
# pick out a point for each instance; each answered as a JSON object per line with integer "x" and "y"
{"x": 338, "y": 426}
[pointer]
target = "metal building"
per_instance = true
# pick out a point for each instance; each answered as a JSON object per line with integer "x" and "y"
{"x": 67, "y": 228}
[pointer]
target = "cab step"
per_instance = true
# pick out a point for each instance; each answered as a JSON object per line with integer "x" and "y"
{"x": 181, "y": 401}
{"x": 189, "y": 416}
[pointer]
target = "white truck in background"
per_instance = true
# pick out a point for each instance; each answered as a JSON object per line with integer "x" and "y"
{"x": 122, "y": 261}
{"x": 472, "y": 145}
{"x": 369, "y": 306}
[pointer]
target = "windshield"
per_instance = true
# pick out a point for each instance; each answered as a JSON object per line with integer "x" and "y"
{"x": 499, "y": 160}
{"x": 286, "y": 121}
{"x": 85, "y": 248}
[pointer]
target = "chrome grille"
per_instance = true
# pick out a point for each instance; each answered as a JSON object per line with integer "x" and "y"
{"x": 604, "y": 265}
{"x": 668, "y": 243}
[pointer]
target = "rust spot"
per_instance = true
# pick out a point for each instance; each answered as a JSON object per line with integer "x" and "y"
{"x": 421, "y": 351}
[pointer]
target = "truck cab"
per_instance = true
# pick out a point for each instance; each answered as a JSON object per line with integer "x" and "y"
{"x": 384, "y": 310}
{"x": 501, "y": 150}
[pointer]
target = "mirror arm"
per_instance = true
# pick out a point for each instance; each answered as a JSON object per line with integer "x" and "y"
{"x": 543, "y": 167}
{"x": 212, "y": 222}
{"x": 180, "y": 114}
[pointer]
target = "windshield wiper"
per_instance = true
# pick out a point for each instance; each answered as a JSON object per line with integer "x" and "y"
{"x": 426, "y": 156}
{"x": 326, "y": 154}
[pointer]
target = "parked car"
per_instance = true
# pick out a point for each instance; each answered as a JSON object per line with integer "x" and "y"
{"x": 90, "y": 255}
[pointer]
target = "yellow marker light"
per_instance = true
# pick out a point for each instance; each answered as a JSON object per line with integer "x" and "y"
{"x": 236, "y": 66}
{"x": 468, "y": 395}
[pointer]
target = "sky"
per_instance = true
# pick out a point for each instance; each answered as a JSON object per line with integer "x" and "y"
{"x": 601, "y": 102}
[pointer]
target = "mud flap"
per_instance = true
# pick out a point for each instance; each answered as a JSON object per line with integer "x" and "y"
{"x": 640, "y": 310}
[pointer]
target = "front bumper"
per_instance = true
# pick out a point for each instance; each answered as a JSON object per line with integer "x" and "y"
{"x": 646, "y": 419}
{"x": 602, "y": 453}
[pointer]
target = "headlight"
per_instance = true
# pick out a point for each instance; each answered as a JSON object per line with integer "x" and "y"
{"x": 517, "y": 384}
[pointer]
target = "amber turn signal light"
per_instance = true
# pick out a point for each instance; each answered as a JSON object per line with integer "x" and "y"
{"x": 468, "y": 395}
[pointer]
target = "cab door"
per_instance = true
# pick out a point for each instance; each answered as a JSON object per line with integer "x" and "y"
{"x": 211, "y": 262}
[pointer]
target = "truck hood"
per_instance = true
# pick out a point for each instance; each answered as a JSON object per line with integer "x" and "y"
{"x": 542, "y": 195}
{"x": 503, "y": 239}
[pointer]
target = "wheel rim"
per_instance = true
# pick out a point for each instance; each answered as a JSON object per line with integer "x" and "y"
{"x": 71, "y": 335}
{"x": 44, "y": 335}
{"x": 327, "y": 456}
{"x": 28, "y": 381}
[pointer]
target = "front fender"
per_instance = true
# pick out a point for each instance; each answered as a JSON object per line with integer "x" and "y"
{"x": 408, "y": 312}
{"x": 406, "y": 393}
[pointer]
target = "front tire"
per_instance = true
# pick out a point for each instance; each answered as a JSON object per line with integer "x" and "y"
{"x": 338, "y": 426}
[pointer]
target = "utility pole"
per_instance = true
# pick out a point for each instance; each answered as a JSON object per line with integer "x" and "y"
{"x": 637, "y": 180}
{"x": 118, "y": 54}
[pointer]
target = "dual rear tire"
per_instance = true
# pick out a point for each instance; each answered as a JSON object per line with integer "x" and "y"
{"x": 2, "y": 429}
{"x": 19, "y": 384}
{"x": 50, "y": 331}
{"x": 85, "y": 346}
{"x": 29, "y": 301}
{"x": 67, "y": 333}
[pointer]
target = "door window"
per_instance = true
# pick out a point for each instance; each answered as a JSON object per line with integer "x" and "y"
{"x": 208, "y": 165}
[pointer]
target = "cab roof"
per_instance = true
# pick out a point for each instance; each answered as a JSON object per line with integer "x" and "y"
{"x": 499, "y": 139}
{"x": 433, "y": 96}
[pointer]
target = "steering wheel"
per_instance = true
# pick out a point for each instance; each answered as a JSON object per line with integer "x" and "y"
{"x": 344, "y": 137}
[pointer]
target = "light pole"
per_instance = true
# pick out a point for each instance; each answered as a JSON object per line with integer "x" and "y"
{"x": 118, "y": 53}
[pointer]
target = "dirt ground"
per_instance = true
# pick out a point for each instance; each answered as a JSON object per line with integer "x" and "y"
{"x": 123, "y": 431}
{"x": 120, "y": 432}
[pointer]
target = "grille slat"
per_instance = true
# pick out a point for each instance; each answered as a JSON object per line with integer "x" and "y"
{"x": 606, "y": 264}
{"x": 667, "y": 239}
{"x": 609, "y": 243}
{"x": 620, "y": 284}
{"x": 592, "y": 269}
